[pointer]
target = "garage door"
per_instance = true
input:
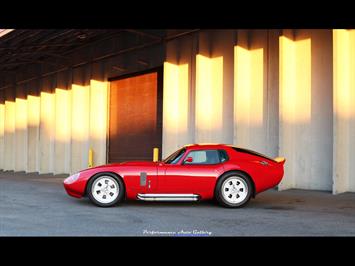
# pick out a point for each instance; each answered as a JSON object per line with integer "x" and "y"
{"x": 135, "y": 126}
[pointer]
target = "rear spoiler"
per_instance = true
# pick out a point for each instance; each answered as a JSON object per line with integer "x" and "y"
{"x": 281, "y": 160}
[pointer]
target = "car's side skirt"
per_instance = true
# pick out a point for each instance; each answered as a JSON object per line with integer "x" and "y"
{"x": 168, "y": 197}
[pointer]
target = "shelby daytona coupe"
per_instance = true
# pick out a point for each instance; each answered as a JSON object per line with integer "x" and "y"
{"x": 231, "y": 175}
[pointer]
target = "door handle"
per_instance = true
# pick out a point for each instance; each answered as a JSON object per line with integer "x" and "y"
{"x": 148, "y": 183}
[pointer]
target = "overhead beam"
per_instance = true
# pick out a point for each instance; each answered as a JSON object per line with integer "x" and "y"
{"x": 4, "y": 32}
{"x": 110, "y": 55}
{"x": 144, "y": 33}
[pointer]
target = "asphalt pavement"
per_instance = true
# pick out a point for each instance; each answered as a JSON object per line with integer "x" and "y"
{"x": 37, "y": 205}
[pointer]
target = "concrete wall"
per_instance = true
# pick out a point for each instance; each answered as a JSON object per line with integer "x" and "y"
{"x": 52, "y": 133}
{"x": 49, "y": 124}
{"x": 2, "y": 135}
{"x": 33, "y": 122}
{"x": 46, "y": 133}
{"x": 63, "y": 136}
{"x": 306, "y": 108}
{"x": 281, "y": 92}
{"x": 208, "y": 102}
{"x": 9, "y": 136}
{"x": 250, "y": 90}
{"x": 344, "y": 110}
{"x": 222, "y": 65}
{"x": 178, "y": 96}
{"x": 276, "y": 96}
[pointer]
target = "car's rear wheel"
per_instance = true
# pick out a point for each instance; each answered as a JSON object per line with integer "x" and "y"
{"x": 233, "y": 190}
{"x": 105, "y": 190}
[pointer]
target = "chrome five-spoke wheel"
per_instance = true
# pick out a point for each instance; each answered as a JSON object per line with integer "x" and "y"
{"x": 233, "y": 189}
{"x": 105, "y": 190}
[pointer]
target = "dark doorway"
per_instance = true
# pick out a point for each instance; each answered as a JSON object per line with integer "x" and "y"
{"x": 135, "y": 126}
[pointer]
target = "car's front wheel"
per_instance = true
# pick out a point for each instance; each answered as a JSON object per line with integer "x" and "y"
{"x": 105, "y": 190}
{"x": 233, "y": 190}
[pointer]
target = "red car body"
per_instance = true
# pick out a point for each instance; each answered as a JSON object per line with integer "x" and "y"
{"x": 161, "y": 177}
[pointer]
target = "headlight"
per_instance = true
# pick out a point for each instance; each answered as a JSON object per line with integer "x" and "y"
{"x": 72, "y": 178}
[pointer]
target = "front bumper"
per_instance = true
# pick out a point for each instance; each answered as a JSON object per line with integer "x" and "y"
{"x": 72, "y": 191}
{"x": 75, "y": 185}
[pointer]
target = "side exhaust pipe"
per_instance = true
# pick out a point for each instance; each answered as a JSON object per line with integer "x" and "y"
{"x": 168, "y": 197}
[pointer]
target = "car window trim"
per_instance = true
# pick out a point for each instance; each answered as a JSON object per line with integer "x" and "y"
{"x": 211, "y": 149}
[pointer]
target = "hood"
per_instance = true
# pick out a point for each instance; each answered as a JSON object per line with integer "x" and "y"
{"x": 138, "y": 163}
{"x": 130, "y": 163}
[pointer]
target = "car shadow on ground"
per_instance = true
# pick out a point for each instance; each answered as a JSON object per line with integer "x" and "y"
{"x": 253, "y": 204}
{"x": 145, "y": 204}
{"x": 269, "y": 201}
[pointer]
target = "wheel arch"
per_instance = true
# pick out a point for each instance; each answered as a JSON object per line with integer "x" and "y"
{"x": 243, "y": 172}
{"x": 102, "y": 173}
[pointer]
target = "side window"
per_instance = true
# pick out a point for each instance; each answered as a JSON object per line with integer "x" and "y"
{"x": 175, "y": 157}
{"x": 223, "y": 156}
{"x": 203, "y": 157}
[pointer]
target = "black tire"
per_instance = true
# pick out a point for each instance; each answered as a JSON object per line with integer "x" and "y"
{"x": 121, "y": 192}
{"x": 219, "y": 194}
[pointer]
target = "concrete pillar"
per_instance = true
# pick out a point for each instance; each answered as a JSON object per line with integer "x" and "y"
{"x": 250, "y": 85}
{"x": 98, "y": 120}
{"x": 2, "y": 135}
{"x": 272, "y": 94}
{"x": 80, "y": 127}
{"x": 175, "y": 107}
{"x": 178, "y": 94}
{"x": 9, "y": 140}
{"x": 295, "y": 108}
{"x": 209, "y": 99}
{"x": 222, "y": 45}
{"x": 62, "y": 131}
{"x": 321, "y": 110}
{"x": 305, "y": 109}
{"x": 344, "y": 111}
{"x": 208, "y": 102}
{"x": 33, "y": 121}
{"x": 20, "y": 135}
{"x": 47, "y": 133}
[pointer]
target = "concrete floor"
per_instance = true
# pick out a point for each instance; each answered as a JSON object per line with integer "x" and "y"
{"x": 37, "y": 205}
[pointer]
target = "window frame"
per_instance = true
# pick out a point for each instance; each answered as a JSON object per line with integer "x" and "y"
{"x": 182, "y": 157}
{"x": 219, "y": 157}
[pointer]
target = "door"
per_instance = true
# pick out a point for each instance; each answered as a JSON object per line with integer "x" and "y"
{"x": 196, "y": 177}
{"x": 135, "y": 126}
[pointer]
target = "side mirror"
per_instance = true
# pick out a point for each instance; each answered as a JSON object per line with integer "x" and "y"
{"x": 189, "y": 160}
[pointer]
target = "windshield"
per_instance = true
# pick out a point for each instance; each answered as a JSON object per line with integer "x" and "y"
{"x": 175, "y": 157}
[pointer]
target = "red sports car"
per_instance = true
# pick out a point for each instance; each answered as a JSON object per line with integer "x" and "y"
{"x": 230, "y": 174}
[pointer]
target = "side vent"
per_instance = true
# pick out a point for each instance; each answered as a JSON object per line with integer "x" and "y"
{"x": 143, "y": 179}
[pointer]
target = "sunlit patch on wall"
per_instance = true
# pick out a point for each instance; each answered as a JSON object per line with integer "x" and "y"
{"x": 295, "y": 80}
{"x": 33, "y": 111}
{"x": 9, "y": 117}
{"x": 295, "y": 108}
{"x": 2, "y": 134}
{"x": 2, "y": 120}
{"x": 98, "y": 109}
{"x": 209, "y": 98}
{"x": 248, "y": 93}
{"x": 80, "y": 112}
{"x": 98, "y": 120}
{"x": 47, "y": 113}
{"x": 343, "y": 69}
{"x": 62, "y": 115}
{"x": 176, "y": 98}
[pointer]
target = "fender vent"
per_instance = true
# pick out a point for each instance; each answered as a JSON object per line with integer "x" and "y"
{"x": 143, "y": 179}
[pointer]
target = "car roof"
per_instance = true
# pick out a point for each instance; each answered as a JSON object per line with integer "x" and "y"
{"x": 223, "y": 146}
{"x": 206, "y": 146}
